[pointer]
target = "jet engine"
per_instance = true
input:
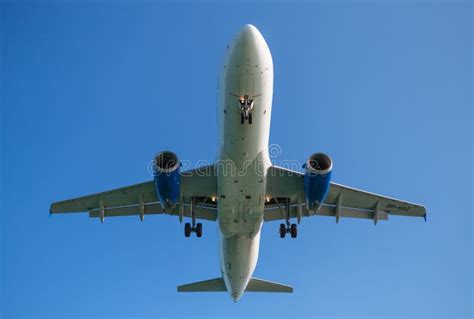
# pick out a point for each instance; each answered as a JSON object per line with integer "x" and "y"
{"x": 167, "y": 178}
{"x": 317, "y": 176}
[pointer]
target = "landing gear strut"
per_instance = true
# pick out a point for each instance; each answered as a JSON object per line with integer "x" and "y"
{"x": 246, "y": 106}
{"x": 287, "y": 227}
{"x": 194, "y": 227}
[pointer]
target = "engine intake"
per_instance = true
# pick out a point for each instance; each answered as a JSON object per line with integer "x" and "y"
{"x": 316, "y": 180}
{"x": 166, "y": 169}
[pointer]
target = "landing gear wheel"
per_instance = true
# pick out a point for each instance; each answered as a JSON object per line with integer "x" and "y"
{"x": 199, "y": 230}
{"x": 250, "y": 118}
{"x": 242, "y": 118}
{"x": 187, "y": 230}
{"x": 282, "y": 230}
{"x": 293, "y": 230}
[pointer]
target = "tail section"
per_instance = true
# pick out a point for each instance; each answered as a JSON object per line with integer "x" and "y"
{"x": 211, "y": 285}
{"x": 259, "y": 285}
{"x": 218, "y": 285}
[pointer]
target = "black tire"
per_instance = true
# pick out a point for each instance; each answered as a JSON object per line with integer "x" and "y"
{"x": 282, "y": 230}
{"x": 199, "y": 230}
{"x": 250, "y": 118}
{"x": 187, "y": 230}
{"x": 242, "y": 118}
{"x": 294, "y": 230}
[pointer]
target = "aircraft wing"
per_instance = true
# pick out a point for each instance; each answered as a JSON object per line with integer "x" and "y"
{"x": 341, "y": 201}
{"x": 141, "y": 199}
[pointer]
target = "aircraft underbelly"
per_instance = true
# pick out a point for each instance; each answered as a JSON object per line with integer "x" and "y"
{"x": 243, "y": 158}
{"x": 246, "y": 78}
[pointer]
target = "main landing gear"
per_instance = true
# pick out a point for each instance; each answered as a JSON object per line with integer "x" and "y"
{"x": 194, "y": 227}
{"x": 292, "y": 229}
{"x": 188, "y": 229}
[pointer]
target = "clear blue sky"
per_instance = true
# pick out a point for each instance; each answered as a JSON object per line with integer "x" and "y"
{"x": 90, "y": 92}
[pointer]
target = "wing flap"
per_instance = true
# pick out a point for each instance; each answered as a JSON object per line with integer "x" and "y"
{"x": 274, "y": 213}
{"x": 202, "y": 212}
{"x": 349, "y": 212}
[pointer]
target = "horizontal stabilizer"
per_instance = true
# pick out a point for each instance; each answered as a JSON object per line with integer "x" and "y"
{"x": 216, "y": 284}
{"x": 259, "y": 285}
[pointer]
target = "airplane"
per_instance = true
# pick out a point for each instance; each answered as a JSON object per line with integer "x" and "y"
{"x": 242, "y": 190}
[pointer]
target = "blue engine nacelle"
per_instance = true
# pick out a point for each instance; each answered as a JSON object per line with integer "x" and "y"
{"x": 167, "y": 178}
{"x": 316, "y": 180}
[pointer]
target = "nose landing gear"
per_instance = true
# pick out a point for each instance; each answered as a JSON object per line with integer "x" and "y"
{"x": 246, "y": 106}
{"x": 245, "y": 116}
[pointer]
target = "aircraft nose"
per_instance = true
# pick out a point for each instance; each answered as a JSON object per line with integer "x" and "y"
{"x": 248, "y": 35}
{"x": 248, "y": 31}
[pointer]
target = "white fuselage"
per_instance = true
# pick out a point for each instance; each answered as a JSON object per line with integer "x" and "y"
{"x": 243, "y": 158}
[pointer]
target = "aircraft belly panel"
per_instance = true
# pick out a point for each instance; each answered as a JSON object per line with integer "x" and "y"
{"x": 245, "y": 87}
